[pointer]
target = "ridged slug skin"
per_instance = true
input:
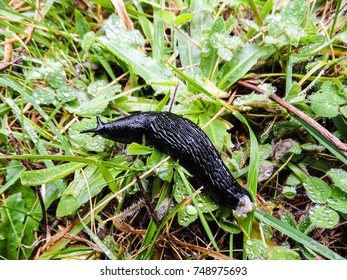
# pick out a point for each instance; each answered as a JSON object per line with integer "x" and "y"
{"x": 184, "y": 141}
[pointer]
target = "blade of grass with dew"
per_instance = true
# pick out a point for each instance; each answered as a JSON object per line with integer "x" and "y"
{"x": 296, "y": 235}
{"x": 252, "y": 179}
{"x": 190, "y": 80}
{"x": 158, "y": 35}
{"x": 68, "y": 159}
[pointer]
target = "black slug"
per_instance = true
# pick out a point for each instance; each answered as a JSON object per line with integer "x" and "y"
{"x": 186, "y": 142}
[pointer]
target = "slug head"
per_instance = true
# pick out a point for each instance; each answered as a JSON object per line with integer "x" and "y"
{"x": 98, "y": 130}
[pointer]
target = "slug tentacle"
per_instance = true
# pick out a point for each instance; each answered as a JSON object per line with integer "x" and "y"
{"x": 186, "y": 142}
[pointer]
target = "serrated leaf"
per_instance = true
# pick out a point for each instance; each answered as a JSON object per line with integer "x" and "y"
{"x": 204, "y": 203}
{"x": 115, "y": 30}
{"x": 88, "y": 41}
{"x": 44, "y": 96}
{"x": 338, "y": 200}
{"x": 56, "y": 77}
{"x": 256, "y": 249}
{"x": 241, "y": 63}
{"x": 90, "y": 143}
{"x": 326, "y": 102}
{"x": 317, "y": 190}
{"x": 44, "y": 176}
{"x": 96, "y": 101}
{"x": 323, "y": 216}
{"x": 339, "y": 177}
{"x": 285, "y": 27}
{"x": 66, "y": 93}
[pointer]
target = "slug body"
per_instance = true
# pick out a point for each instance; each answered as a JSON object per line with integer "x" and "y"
{"x": 186, "y": 142}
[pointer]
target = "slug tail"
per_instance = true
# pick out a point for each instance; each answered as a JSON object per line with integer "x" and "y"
{"x": 96, "y": 130}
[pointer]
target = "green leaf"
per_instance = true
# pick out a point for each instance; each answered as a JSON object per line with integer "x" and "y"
{"x": 323, "y": 140}
{"x": 326, "y": 102}
{"x": 87, "y": 141}
{"x": 12, "y": 215}
{"x": 3, "y": 137}
{"x": 339, "y": 177}
{"x": 187, "y": 215}
{"x": 230, "y": 227}
{"x": 116, "y": 31}
{"x": 183, "y": 19}
{"x": 85, "y": 186}
{"x": 82, "y": 26}
{"x": 285, "y": 27}
{"x": 338, "y": 200}
{"x": 189, "y": 55}
{"x": 56, "y": 77}
{"x": 43, "y": 96}
{"x": 216, "y": 131}
{"x": 209, "y": 56}
{"x": 44, "y": 176}
{"x": 241, "y": 63}
{"x": 153, "y": 72}
{"x": 283, "y": 253}
{"x": 256, "y": 249}
{"x": 66, "y": 93}
{"x": 324, "y": 217}
{"x": 96, "y": 101}
{"x": 289, "y": 219}
{"x": 104, "y": 3}
{"x": 289, "y": 192}
{"x": 317, "y": 190}
{"x": 138, "y": 149}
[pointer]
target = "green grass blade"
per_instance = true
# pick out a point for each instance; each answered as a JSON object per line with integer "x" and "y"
{"x": 252, "y": 179}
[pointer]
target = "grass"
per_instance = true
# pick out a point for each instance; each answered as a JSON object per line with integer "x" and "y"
{"x": 267, "y": 83}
